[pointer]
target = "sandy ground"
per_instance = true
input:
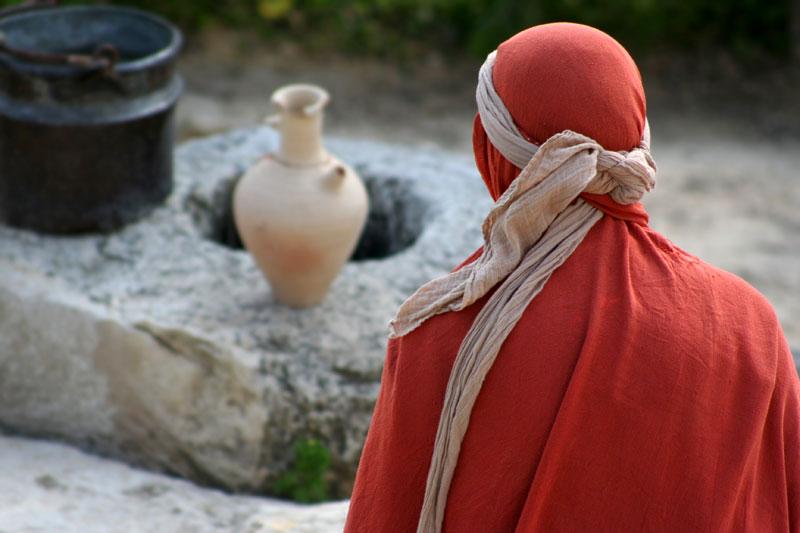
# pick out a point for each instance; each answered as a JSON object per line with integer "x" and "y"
{"x": 49, "y": 487}
{"x": 727, "y": 140}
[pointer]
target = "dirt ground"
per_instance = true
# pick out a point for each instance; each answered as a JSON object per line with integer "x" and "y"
{"x": 726, "y": 138}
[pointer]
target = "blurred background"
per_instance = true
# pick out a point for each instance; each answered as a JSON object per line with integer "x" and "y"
{"x": 405, "y": 69}
{"x": 722, "y": 80}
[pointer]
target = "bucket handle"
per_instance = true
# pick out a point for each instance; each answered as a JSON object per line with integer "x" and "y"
{"x": 104, "y": 57}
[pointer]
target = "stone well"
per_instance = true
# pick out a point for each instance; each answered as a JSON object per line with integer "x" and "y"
{"x": 161, "y": 344}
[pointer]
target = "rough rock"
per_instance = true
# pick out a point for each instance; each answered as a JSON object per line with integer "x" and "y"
{"x": 48, "y": 487}
{"x": 160, "y": 346}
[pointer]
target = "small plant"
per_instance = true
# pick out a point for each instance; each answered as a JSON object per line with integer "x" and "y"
{"x": 305, "y": 481}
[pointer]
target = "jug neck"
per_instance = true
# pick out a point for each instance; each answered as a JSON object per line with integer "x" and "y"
{"x": 301, "y": 139}
{"x": 301, "y": 109}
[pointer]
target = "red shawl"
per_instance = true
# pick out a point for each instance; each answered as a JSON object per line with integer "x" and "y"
{"x": 641, "y": 390}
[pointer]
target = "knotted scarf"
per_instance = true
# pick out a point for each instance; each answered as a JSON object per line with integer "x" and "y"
{"x": 530, "y": 231}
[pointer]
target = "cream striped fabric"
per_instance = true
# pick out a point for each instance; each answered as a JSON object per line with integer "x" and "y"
{"x": 530, "y": 231}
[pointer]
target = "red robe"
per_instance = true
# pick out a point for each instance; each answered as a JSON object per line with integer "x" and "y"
{"x": 642, "y": 390}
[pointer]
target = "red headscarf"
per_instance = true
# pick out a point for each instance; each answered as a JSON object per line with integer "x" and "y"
{"x": 642, "y": 389}
{"x": 594, "y": 88}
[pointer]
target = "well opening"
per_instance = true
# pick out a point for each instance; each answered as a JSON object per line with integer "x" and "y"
{"x": 396, "y": 219}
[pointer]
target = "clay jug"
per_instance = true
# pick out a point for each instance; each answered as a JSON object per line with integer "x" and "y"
{"x": 300, "y": 211}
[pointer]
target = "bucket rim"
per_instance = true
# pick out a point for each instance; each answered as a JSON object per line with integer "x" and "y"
{"x": 163, "y": 55}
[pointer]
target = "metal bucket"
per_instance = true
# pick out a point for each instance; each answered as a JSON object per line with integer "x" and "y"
{"x": 87, "y": 95}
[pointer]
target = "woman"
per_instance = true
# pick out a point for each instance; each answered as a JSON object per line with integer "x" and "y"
{"x": 579, "y": 372}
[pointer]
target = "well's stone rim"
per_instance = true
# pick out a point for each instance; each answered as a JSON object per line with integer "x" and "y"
{"x": 311, "y": 373}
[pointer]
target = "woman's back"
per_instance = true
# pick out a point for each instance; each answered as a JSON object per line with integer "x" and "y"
{"x": 619, "y": 384}
{"x": 641, "y": 390}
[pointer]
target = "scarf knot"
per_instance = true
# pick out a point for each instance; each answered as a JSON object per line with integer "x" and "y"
{"x": 626, "y": 176}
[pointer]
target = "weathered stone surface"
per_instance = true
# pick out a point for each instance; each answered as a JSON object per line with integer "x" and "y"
{"x": 47, "y": 487}
{"x": 164, "y": 348}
